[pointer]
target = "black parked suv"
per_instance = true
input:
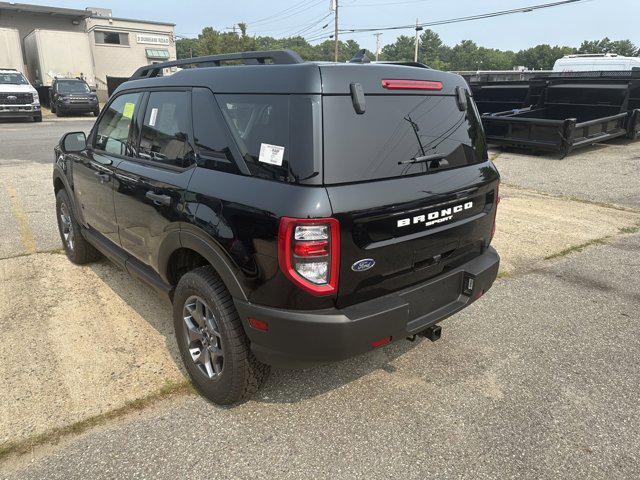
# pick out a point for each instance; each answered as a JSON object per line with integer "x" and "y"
{"x": 73, "y": 95}
{"x": 293, "y": 212}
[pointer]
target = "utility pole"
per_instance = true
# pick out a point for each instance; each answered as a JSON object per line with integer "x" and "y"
{"x": 335, "y": 33}
{"x": 377, "y": 35}
{"x": 418, "y": 29}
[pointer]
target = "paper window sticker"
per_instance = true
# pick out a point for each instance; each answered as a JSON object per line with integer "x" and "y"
{"x": 153, "y": 117}
{"x": 271, "y": 154}
{"x": 128, "y": 110}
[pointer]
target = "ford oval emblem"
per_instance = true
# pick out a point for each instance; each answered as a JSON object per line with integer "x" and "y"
{"x": 363, "y": 265}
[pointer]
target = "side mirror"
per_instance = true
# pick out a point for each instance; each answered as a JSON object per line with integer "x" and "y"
{"x": 74, "y": 142}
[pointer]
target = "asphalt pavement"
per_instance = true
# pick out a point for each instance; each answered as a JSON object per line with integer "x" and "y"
{"x": 25, "y": 141}
{"x": 539, "y": 380}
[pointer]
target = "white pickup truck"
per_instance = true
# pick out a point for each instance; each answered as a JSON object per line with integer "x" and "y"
{"x": 18, "y": 98}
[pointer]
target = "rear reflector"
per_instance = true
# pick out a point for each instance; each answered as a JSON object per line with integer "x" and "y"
{"x": 390, "y": 84}
{"x": 258, "y": 324}
{"x": 381, "y": 342}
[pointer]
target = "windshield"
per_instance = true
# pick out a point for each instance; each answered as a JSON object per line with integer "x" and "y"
{"x": 72, "y": 87}
{"x": 13, "y": 78}
{"x": 396, "y": 135}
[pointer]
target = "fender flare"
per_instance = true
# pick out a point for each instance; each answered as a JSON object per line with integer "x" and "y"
{"x": 215, "y": 255}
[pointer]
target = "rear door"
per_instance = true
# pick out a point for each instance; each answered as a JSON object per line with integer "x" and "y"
{"x": 414, "y": 218}
{"x": 150, "y": 188}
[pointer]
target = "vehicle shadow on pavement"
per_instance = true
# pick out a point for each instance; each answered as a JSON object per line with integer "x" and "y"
{"x": 283, "y": 385}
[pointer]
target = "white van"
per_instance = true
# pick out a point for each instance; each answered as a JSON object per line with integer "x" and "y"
{"x": 595, "y": 63}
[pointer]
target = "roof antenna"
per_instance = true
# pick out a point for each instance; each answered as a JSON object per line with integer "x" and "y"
{"x": 360, "y": 57}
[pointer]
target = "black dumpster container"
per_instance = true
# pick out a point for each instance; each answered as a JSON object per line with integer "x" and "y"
{"x": 573, "y": 110}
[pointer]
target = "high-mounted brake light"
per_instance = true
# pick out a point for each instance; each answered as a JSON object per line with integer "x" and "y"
{"x": 391, "y": 84}
{"x": 309, "y": 253}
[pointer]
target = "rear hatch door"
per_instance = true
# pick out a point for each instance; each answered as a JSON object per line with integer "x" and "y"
{"x": 404, "y": 220}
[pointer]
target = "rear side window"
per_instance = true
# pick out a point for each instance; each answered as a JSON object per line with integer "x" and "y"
{"x": 395, "y": 129}
{"x": 165, "y": 129}
{"x": 277, "y": 135}
{"x": 113, "y": 132}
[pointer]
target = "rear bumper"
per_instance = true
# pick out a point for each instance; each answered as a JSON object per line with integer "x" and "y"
{"x": 299, "y": 338}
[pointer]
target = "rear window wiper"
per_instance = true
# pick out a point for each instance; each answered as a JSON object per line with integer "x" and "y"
{"x": 436, "y": 160}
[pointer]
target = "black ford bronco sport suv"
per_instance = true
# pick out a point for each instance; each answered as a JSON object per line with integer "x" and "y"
{"x": 294, "y": 212}
{"x": 73, "y": 95}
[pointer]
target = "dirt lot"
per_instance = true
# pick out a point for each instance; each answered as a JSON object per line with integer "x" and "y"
{"x": 79, "y": 343}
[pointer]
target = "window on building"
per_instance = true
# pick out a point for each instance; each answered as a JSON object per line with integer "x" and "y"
{"x": 166, "y": 127}
{"x": 114, "y": 129}
{"x": 111, "y": 38}
{"x": 157, "y": 54}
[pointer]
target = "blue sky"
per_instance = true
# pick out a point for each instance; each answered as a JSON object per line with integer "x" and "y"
{"x": 565, "y": 25}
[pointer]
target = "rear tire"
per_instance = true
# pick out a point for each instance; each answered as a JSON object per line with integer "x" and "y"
{"x": 77, "y": 248}
{"x": 96, "y": 112}
{"x": 37, "y": 119}
{"x": 212, "y": 342}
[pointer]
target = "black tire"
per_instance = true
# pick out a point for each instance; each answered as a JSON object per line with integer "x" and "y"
{"x": 96, "y": 112}
{"x": 238, "y": 374}
{"x": 37, "y": 119}
{"x": 79, "y": 251}
{"x": 53, "y": 108}
{"x": 59, "y": 113}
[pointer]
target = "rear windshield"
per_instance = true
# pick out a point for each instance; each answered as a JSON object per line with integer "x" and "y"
{"x": 278, "y": 135}
{"x": 395, "y": 129}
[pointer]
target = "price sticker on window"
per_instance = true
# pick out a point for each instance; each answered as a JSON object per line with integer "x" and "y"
{"x": 271, "y": 154}
{"x": 128, "y": 110}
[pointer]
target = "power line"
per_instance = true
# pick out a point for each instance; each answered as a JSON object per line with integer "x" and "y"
{"x": 273, "y": 15}
{"x": 299, "y": 10}
{"x": 457, "y": 19}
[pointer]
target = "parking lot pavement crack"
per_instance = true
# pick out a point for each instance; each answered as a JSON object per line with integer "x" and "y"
{"x": 26, "y": 235}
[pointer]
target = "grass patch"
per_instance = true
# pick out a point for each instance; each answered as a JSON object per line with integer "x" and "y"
{"x": 20, "y": 447}
{"x": 53, "y": 251}
{"x": 578, "y": 248}
{"x": 502, "y": 274}
{"x": 494, "y": 156}
{"x": 635, "y": 229}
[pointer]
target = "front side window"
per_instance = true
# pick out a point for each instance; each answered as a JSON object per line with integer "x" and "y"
{"x": 166, "y": 127}
{"x": 114, "y": 130}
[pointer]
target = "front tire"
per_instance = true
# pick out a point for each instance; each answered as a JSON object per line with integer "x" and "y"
{"x": 78, "y": 250}
{"x": 212, "y": 342}
{"x": 96, "y": 112}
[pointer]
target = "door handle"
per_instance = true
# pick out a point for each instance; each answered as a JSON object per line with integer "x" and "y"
{"x": 104, "y": 177}
{"x": 157, "y": 198}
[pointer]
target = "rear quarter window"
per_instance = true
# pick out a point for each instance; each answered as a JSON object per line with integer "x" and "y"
{"x": 290, "y": 123}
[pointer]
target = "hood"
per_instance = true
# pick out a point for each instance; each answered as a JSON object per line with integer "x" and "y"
{"x": 11, "y": 88}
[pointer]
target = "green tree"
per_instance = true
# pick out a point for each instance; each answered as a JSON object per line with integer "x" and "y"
{"x": 622, "y": 47}
{"x": 403, "y": 49}
{"x": 541, "y": 57}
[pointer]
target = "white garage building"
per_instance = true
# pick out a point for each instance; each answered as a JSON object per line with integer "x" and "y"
{"x": 118, "y": 46}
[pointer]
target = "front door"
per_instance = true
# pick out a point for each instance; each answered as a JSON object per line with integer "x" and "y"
{"x": 93, "y": 170}
{"x": 149, "y": 189}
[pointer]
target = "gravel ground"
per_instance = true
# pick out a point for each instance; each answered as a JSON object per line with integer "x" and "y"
{"x": 522, "y": 385}
{"x": 609, "y": 172}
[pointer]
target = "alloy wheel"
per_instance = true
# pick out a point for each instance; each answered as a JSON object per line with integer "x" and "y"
{"x": 66, "y": 226}
{"x": 202, "y": 334}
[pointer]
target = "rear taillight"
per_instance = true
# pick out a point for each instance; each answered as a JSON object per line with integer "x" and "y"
{"x": 391, "y": 84}
{"x": 309, "y": 253}
{"x": 495, "y": 213}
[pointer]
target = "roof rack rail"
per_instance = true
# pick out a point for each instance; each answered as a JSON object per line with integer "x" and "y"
{"x": 276, "y": 57}
{"x": 404, "y": 63}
